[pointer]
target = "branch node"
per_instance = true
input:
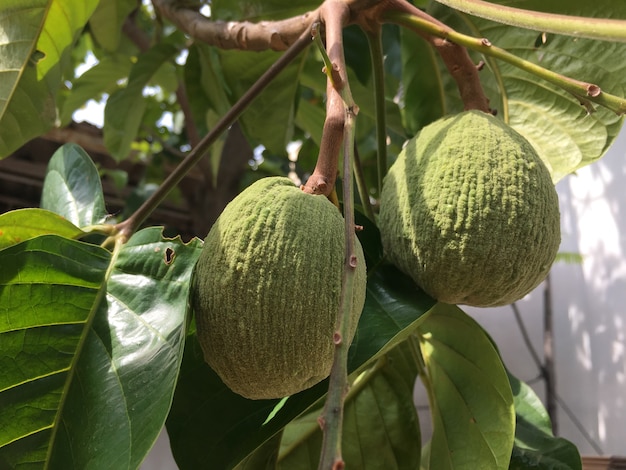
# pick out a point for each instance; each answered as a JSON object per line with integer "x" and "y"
{"x": 593, "y": 90}
{"x": 485, "y": 42}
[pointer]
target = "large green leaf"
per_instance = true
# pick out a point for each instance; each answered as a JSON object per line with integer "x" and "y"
{"x": 37, "y": 38}
{"x": 72, "y": 187}
{"x": 89, "y": 365}
{"x": 471, "y": 399}
{"x": 49, "y": 290}
{"x": 24, "y": 224}
{"x": 380, "y": 427}
{"x": 126, "y": 373}
{"x": 565, "y": 135}
{"x": 535, "y": 445}
{"x": 125, "y": 108}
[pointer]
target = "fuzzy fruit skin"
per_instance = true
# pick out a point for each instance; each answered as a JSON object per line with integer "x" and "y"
{"x": 470, "y": 212}
{"x": 267, "y": 287}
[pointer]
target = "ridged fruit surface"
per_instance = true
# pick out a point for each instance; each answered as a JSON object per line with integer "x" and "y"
{"x": 470, "y": 212}
{"x": 267, "y": 287}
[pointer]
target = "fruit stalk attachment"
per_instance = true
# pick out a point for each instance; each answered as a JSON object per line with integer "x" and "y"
{"x": 338, "y": 132}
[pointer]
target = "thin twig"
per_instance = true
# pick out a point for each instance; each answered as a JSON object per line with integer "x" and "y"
{"x": 335, "y": 15}
{"x": 526, "y": 337}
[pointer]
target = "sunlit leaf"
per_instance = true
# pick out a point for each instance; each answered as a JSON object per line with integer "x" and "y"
{"x": 472, "y": 404}
{"x": 126, "y": 373}
{"x": 23, "y": 224}
{"x": 49, "y": 289}
{"x": 36, "y": 37}
{"x": 72, "y": 187}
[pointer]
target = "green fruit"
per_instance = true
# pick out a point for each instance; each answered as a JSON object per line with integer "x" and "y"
{"x": 267, "y": 287}
{"x": 470, "y": 212}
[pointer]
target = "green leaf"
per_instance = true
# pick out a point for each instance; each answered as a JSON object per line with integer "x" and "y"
{"x": 49, "y": 289}
{"x": 535, "y": 445}
{"x": 471, "y": 399}
{"x": 126, "y": 374}
{"x": 106, "y": 23}
{"x": 208, "y": 422}
{"x": 554, "y": 122}
{"x": 270, "y": 117}
{"x": 72, "y": 187}
{"x": 89, "y": 365}
{"x": 380, "y": 427}
{"x": 24, "y": 224}
{"x": 125, "y": 108}
{"x": 35, "y": 50}
{"x": 424, "y": 99}
{"x": 101, "y": 78}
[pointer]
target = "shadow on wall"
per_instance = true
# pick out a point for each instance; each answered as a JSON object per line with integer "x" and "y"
{"x": 590, "y": 299}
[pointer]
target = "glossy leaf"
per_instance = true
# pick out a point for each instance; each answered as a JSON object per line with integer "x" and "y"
{"x": 72, "y": 187}
{"x": 125, "y": 376}
{"x": 380, "y": 427}
{"x": 208, "y": 422}
{"x": 24, "y": 224}
{"x": 125, "y": 108}
{"x": 49, "y": 290}
{"x": 35, "y": 50}
{"x": 565, "y": 136}
{"x": 535, "y": 445}
{"x": 472, "y": 404}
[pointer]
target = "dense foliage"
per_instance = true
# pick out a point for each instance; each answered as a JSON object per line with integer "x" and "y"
{"x": 98, "y": 349}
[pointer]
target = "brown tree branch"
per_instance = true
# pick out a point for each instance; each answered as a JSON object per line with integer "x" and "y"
{"x": 455, "y": 56}
{"x": 244, "y": 35}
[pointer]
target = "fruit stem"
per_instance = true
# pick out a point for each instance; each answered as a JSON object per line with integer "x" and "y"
{"x": 586, "y": 93}
{"x": 126, "y": 228}
{"x": 336, "y": 15}
{"x": 454, "y": 55}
